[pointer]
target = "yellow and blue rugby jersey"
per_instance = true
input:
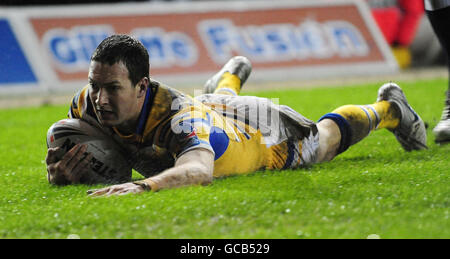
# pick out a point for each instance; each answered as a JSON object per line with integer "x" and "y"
{"x": 245, "y": 134}
{"x": 253, "y": 133}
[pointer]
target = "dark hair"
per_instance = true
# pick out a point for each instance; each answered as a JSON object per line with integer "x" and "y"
{"x": 127, "y": 49}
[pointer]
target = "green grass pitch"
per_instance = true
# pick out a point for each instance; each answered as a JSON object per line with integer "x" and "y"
{"x": 373, "y": 188}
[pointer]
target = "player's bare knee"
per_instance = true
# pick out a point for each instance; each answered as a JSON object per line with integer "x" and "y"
{"x": 329, "y": 140}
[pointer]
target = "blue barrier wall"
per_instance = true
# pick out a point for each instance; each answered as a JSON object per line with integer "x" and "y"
{"x": 14, "y": 67}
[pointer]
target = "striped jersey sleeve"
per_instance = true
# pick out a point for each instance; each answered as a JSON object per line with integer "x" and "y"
{"x": 185, "y": 131}
{"x": 81, "y": 106}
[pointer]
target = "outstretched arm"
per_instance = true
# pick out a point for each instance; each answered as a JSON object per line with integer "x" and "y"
{"x": 193, "y": 167}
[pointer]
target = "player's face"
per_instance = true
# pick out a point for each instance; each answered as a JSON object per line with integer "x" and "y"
{"x": 113, "y": 95}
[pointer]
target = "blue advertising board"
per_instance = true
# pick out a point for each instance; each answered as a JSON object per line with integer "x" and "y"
{"x": 14, "y": 67}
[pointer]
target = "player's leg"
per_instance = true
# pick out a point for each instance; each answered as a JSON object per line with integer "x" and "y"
{"x": 442, "y": 129}
{"x": 438, "y": 12}
{"x": 349, "y": 124}
{"x": 230, "y": 79}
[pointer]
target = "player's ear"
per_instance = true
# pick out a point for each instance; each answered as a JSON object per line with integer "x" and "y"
{"x": 143, "y": 86}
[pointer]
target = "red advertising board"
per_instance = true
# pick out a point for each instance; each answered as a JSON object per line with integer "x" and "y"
{"x": 200, "y": 38}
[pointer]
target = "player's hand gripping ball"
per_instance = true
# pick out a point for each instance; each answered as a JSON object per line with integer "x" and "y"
{"x": 107, "y": 164}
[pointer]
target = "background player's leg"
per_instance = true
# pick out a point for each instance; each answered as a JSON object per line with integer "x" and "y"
{"x": 438, "y": 13}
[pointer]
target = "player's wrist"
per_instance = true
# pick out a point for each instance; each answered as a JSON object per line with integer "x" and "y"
{"x": 146, "y": 184}
{"x": 143, "y": 184}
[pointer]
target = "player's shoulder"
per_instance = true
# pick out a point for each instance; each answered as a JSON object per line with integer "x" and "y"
{"x": 79, "y": 97}
{"x": 81, "y": 106}
{"x": 170, "y": 104}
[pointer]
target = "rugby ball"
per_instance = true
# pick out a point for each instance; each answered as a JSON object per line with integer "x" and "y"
{"x": 108, "y": 164}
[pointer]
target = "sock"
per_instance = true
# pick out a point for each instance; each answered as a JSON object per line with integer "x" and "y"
{"x": 229, "y": 84}
{"x": 357, "y": 121}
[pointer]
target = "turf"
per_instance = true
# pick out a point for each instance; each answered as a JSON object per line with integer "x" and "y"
{"x": 373, "y": 188}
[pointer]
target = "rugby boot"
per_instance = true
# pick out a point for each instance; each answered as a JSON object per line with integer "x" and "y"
{"x": 442, "y": 129}
{"x": 411, "y": 131}
{"x": 238, "y": 65}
